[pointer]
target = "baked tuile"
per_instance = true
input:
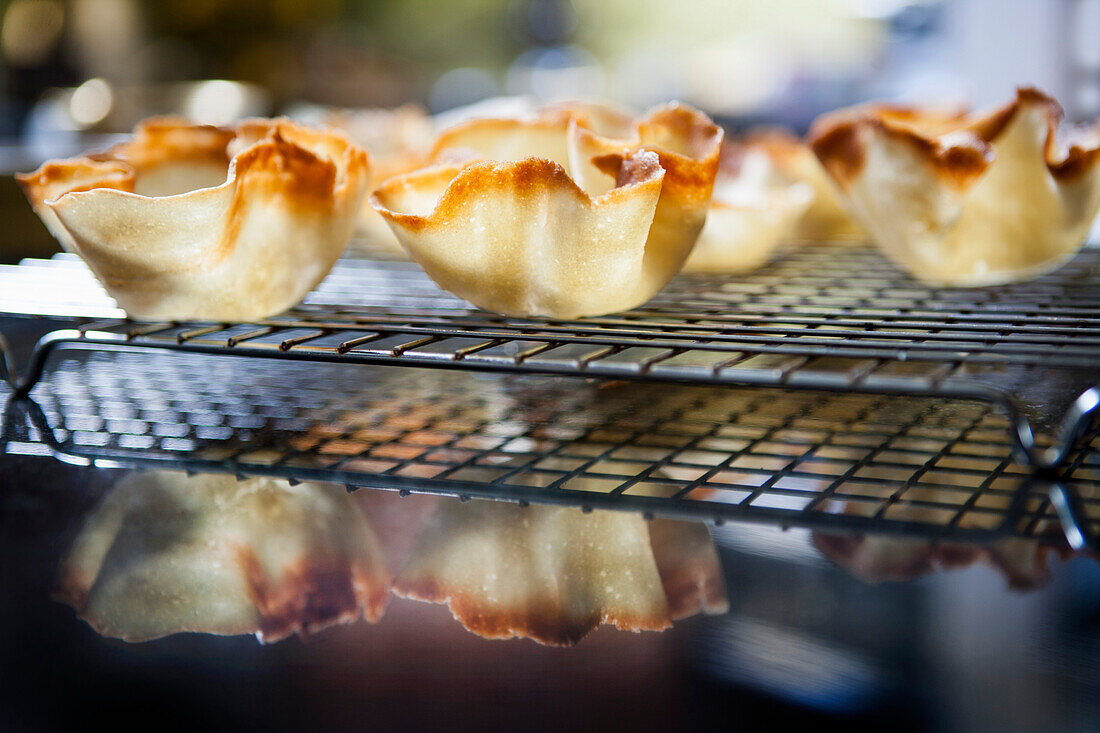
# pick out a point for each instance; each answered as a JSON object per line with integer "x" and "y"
{"x": 966, "y": 200}
{"x": 479, "y": 239}
{"x": 193, "y": 222}
{"x": 399, "y": 141}
{"x": 54, "y": 179}
{"x": 752, "y": 209}
{"x": 549, "y": 216}
{"x": 827, "y": 218}
{"x": 159, "y": 140}
{"x": 165, "y": 553}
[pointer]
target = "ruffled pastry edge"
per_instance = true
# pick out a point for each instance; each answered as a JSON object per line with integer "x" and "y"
{"x": 959, "y": 148}
{"x": 529, "y": 178}
{"x": 167, "y": 139}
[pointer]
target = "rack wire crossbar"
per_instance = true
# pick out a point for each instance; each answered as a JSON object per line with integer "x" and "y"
{"x": 937, "y": 469}
{"x": 821, "y": 317}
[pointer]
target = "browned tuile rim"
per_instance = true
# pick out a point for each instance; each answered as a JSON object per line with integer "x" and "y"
{"x": 959, "y": 147}
{"x": 545, "y": 621}
{"x": 527, "y": 177}
{"x": 269, "y": 145}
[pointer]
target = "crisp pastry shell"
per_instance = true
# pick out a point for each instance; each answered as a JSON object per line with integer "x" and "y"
{"x": 826, "y": 219}
{"x": 193, "y": 222}
{"x": 398, "y": 140}
{"x": 971, "y": 200}
{"x": 552, "y": 218}
{"x": 522, "y": 239}
{"x": 751, "y": 212}
{"x": 688, "y": 145}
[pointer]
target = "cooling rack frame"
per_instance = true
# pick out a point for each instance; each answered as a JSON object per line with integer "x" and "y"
{"x": 932, "y": 472}
{"x": 822, "y": 318}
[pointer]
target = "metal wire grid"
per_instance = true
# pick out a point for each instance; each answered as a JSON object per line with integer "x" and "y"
{"x": 821, "y": 317}
{"x": 814, "y": 301}
{"x": 940, "y": 469}
{"x": 818, "y": 301}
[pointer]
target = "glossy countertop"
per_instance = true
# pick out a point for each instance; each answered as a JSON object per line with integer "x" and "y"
{"x": 804, "y": 640}
{"x": 862, "y": 632}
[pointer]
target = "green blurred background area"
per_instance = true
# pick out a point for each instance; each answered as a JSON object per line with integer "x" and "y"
{"x": 75, "y": 72}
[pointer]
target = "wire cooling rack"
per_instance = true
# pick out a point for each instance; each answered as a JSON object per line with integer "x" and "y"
{"x": 822, "y": 318}
{"x": 941, "y": 469}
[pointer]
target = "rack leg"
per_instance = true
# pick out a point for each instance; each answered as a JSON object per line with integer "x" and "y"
{"x": 35, "y": 367}
{"x": 1078, "y": 420}
{"x": 7, "y": 363}
{"x": 1076, "y": 423}
{"x": 9, "y": 418}
{"x": 22, "y": 384}
{"x": 1075, "y": 522}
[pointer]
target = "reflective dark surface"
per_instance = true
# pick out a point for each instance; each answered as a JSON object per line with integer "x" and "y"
{"x": 958, "y": 649}
{"x": 862, "y": 632}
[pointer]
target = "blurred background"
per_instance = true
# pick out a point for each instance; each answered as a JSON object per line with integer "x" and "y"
{"x": 76, "y": 70}
{"x": 745, "y": 60}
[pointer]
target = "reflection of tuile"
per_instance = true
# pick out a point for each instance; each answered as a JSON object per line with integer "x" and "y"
{"x": 691, "y": 573}
{"x": 165, "y": 553}
{"x": 548, "y": 573}
{"x": 553, "y": 574}
{"x": 395, "y": 519}
{"x": 877, "y": 558}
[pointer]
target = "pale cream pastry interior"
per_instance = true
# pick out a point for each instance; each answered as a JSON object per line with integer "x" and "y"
{"x": 574, "y": 212}
{"x": 194, "y": 222}
{"x": 966, "y": 200}
{"x": 751, "y": 211}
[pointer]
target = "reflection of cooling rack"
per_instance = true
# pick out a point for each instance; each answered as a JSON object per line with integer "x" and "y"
{"x": 929, "y": 467}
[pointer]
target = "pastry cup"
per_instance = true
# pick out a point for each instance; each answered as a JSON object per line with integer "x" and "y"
{"x": 398, "y": 140}
{"x": 966, "y": 200}
{"x": 554, "y": 218}
{"x": 827, "y": 218}
{"x": 545, "y": 132}
{"x": 166, "y": 553}
{"x": 751, "y": 210}
{"x": 194, "y": 222}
